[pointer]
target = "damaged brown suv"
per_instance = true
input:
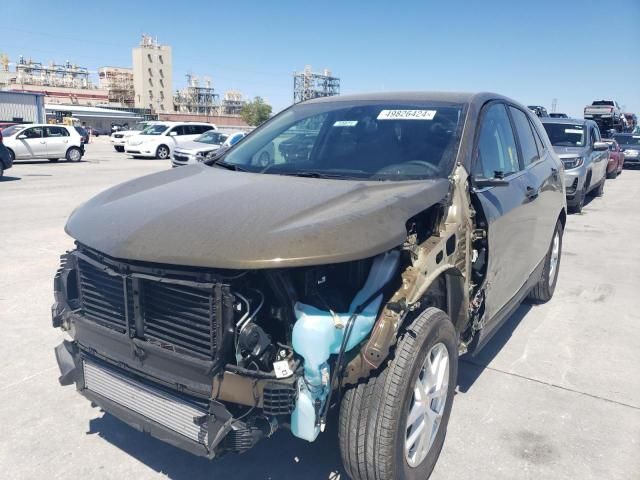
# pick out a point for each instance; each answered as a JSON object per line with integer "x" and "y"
{"x": 213, "y": 304}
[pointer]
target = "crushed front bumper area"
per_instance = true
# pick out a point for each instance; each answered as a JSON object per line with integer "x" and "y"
{"x": 194, "y": 425}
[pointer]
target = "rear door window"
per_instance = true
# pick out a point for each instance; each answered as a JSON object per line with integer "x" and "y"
{"x": 56, "y": 132}
{"x": 180, "y": 130}
{"x": 202, "y": 128}
{"x": 528, "y": 146}
{"x": 496, "y": 155}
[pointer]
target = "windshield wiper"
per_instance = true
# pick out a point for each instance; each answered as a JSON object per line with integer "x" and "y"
{"x": 228, "y": 166}
{"x": 319, "y": 175}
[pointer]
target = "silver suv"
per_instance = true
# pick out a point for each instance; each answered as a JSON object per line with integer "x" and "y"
{"x": 583, "y": 154}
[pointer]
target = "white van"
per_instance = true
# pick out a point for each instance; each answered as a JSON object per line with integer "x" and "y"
{"x": 159, "y": 140}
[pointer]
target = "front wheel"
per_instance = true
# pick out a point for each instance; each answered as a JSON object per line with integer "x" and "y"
{"x": 119, "y": 148}
{"x": 577, "y": 208}
{"x": 543, "y": 290}
{"x": 162, "y": 152}
{"x": 393, "y": 426}
{"x": 600, "y": 190}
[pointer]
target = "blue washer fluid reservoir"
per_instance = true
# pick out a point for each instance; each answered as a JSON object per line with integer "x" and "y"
{"x": 317, "y": 334}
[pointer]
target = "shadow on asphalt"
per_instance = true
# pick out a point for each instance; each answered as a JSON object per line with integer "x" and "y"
{"x": 471, "y": 367}
{"x": 281, "y": 456}
{"x": 17, "y": 163}
{"x": 7, "y": 178}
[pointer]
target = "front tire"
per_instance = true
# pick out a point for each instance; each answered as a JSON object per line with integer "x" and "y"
{"x": 393, "y": 426}
{"x": 543, "y": 291}
{"x": 599, "y": 192}
{"x": 162, "y": 153}
{"x": 119, "y": 148}
{"x": 577, "y": 208}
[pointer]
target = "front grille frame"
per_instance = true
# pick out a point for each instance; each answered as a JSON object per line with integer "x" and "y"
{"x": 134, "y": 275}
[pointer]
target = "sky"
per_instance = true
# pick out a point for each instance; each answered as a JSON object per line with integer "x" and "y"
{"x": 574, "y": 51}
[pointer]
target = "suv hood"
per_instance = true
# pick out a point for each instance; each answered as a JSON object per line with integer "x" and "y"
{"x": 571, "y": 151}
{"x": 210, "y": 217}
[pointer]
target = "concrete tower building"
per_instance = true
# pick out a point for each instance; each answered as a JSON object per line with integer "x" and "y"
{"x": 152, "y": 75}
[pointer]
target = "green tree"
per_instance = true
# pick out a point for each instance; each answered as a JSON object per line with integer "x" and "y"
{"x": 255, "y": 112}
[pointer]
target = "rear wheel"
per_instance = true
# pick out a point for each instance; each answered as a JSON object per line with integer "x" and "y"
{"x": 119, "y": 148}
{"x": 393, "y": 426}
{"x": 543, "y": 291}
{"x": 12, "y": 155}
{"x": 74, "y": 154}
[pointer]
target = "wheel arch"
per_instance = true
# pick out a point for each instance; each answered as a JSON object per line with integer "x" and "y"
{"x": 563, "y": 217}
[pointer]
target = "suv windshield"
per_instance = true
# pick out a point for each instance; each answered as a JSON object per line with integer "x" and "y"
{"x": 139, "y": 126}
{"x": 212, "y": 137}
{"x": 356, "y": 139}
{"x": 157, "y": 129}
{"x": 633, "y": 140}
{"x": 565, "y": 134}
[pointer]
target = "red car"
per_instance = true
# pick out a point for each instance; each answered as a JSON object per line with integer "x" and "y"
{"x": 616, "y": 158}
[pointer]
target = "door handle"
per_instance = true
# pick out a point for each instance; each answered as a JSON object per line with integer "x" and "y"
{"x": 532, "y": 193}
{"x": 554, "y": 173}
{"x": 43, "y": 141}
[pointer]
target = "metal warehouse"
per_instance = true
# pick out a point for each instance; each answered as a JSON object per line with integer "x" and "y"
{"x": 96, "y": 117}
{"x": 22, "y": 107}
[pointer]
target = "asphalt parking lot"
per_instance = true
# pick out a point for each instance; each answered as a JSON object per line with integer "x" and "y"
{"x": 555, "y": 395}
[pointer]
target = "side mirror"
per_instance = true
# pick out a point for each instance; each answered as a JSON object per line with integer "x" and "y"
{"x": 489, "y": 182}
{"x": 173, "y": 134}
{"x": 22, "y": 136}
{"x": 600, "y": 146}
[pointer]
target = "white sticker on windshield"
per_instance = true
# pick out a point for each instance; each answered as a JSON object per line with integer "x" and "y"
{"x": 572, "y": 130}
{"x": 346, "y": 123}
{"x": 636, "y": 136}
{"x": 407, "y": 114}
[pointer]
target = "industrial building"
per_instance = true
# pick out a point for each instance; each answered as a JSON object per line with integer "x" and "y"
{"x": 152, "y": 75}
{"x": 22, "y": 107}
{"x": 118, "y": 81}
{"x": 65, "y": 83}
{"x": 196, "y": 98}
{"x": 308, "y": 85}
{"x": 232, "y": 102}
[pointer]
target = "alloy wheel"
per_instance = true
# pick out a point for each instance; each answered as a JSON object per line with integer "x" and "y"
{"x": 74, "y": 155}
{"x": 427, "y": 405}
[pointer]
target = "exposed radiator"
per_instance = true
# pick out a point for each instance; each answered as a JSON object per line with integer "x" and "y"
{"x": 154, "y": 404}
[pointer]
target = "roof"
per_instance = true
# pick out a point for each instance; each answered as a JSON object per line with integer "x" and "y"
{"x": 565, "y": 121}
{"x": 90, "y": 111}
{"x": 452, "y": 97}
